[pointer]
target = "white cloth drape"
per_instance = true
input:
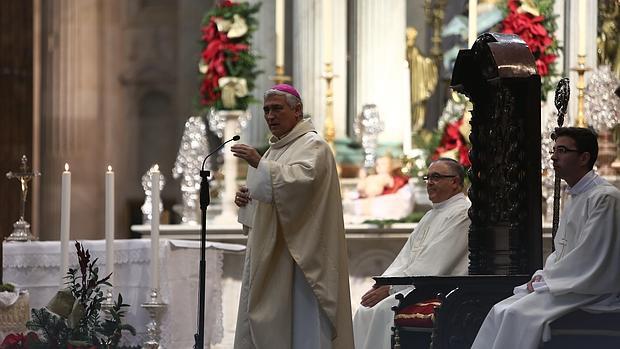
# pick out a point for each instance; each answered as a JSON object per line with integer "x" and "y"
{"x": 35, "y": 266}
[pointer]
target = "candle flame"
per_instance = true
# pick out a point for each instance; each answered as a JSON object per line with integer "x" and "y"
{"x": 66, "y": 166}
{"x": 109, "y": 168}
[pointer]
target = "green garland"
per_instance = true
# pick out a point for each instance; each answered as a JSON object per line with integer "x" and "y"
{"x": 228, "y": 56}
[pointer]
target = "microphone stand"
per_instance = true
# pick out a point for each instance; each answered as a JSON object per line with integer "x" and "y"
{"x": 205, "y": 200}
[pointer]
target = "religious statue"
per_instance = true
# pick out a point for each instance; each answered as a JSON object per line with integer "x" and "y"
{"x": 385, "y": 194}
{"x": 21, "y": 228}
{"x": 608, "y": 45}
{"x": 388, "y": 178}
{"x": 423, "y": 77}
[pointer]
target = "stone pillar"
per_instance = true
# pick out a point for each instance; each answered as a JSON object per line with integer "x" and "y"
{"x": 309, "y": 64}
{"x": 307, "y": 58}
{"x": 571, "y": 44}
{"x": 263, "y": 44}
{"x": 69, "y": 117}
{"x": 381, "y": 63}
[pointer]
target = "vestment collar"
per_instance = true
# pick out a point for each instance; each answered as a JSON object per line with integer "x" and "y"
{"x": 302, "y": 127}
{"x": 448, "y": 202}
{"x": 588, "y": 181}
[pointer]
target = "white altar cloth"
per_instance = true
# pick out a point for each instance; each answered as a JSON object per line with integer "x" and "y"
{"x": 35, "y": 266}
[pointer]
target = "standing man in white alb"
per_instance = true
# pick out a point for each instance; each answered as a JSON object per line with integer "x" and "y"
{"x": 295, "y": 288}
{"x": 438, "y": 246}
{"x": 583, "y": 271}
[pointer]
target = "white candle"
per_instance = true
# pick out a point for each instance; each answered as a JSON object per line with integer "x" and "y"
{"x": 581, "y": 48}
{"x": 327, "y": 31}
{"x": 280, "y": 33}
{"x": 65, "y": 220}
{"x": 473, "y": 22}
{"x": 155, "y": 228}
{"x": 109, "y": 222}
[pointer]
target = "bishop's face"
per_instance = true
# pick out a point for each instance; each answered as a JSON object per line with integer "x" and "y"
{"x": 280, "y": 117}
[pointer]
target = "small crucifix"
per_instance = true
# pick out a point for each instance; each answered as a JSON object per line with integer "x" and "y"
{"x": 21, "y": 228}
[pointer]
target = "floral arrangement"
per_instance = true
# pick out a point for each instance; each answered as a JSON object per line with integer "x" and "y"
{"x": 20, "y": 340}
{"x": 227, "y": 66}
{"x": 453, "y": 143}
{"x": 534, "y": 22}
{"x": 453, "y": 131}
{"x": 72, "y": 318}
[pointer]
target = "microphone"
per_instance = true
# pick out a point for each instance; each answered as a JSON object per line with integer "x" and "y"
{"x": 235, "y": 138}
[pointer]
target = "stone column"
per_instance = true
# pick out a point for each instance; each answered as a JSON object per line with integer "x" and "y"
{"x": 308, "y": 63}
{"x": 69, "y": 117}
{"x": 571, "y": 44}
{"x": 381, "y": 63}
{"x": 263, "y": 44}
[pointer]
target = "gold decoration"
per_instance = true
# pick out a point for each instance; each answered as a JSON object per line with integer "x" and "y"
{"x": 280, "y": 78}
{"x": 423, "y": 77}
{"x": 330, "y": 128}
{"x": 238, "y": 27}
{"x": 607, "y": 43}
{"x": 231, "y": 89}
{"x": 234, "y": 29}
{"x": 581, "y": 69}
{"x": 528, "y": 6}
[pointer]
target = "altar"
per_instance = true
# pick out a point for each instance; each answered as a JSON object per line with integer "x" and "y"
{"x": 35, "y": 266}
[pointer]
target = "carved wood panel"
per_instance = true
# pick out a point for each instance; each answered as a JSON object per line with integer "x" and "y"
{"x": 499, "y": 76}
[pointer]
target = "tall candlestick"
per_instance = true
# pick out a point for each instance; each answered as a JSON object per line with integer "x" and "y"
{"x": 65, "y": 220}
{"x": 155, "y": 228}
{"x": 581, "y": 48}
{"x": 327, "y": 31}
{"x": 473, "y": 23}
{"x": 280, "y": 33}
{"x": 109, "y": 222}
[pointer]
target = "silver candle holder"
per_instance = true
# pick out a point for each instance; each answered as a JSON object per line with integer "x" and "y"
{"x": 108, "y": 300}
{"x": 155, "y": 307}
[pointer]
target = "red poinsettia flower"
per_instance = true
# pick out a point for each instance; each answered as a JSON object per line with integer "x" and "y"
{"x": 533, "y": 32}
{"x": 19, "y": 340}
{"x": 453, "y": 139}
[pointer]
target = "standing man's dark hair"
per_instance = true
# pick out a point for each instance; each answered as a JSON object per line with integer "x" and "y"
{"x": 585, "y": 139}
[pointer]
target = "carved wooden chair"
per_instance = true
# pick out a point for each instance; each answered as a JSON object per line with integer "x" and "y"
{"x": 499, "y": 76}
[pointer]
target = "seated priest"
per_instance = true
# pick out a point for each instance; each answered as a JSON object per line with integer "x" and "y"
{"x": 438, "y": 246}
{"x": 583, "y": 271}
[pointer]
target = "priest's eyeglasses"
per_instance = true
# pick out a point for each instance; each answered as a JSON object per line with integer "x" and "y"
{"x": 434, "y": 177}
{"x": 563, "y": 150}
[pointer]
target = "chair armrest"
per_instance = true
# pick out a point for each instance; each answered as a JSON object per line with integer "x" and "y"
{"x": 467, "y": 281}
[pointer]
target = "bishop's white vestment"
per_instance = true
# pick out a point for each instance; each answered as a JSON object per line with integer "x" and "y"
{"x": 295, "y": 287}
{"x": 438, "y": 246}
{"x": 583, "y": 271}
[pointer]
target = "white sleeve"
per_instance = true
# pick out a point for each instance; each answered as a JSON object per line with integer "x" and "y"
{"x": 259, "y": 183}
